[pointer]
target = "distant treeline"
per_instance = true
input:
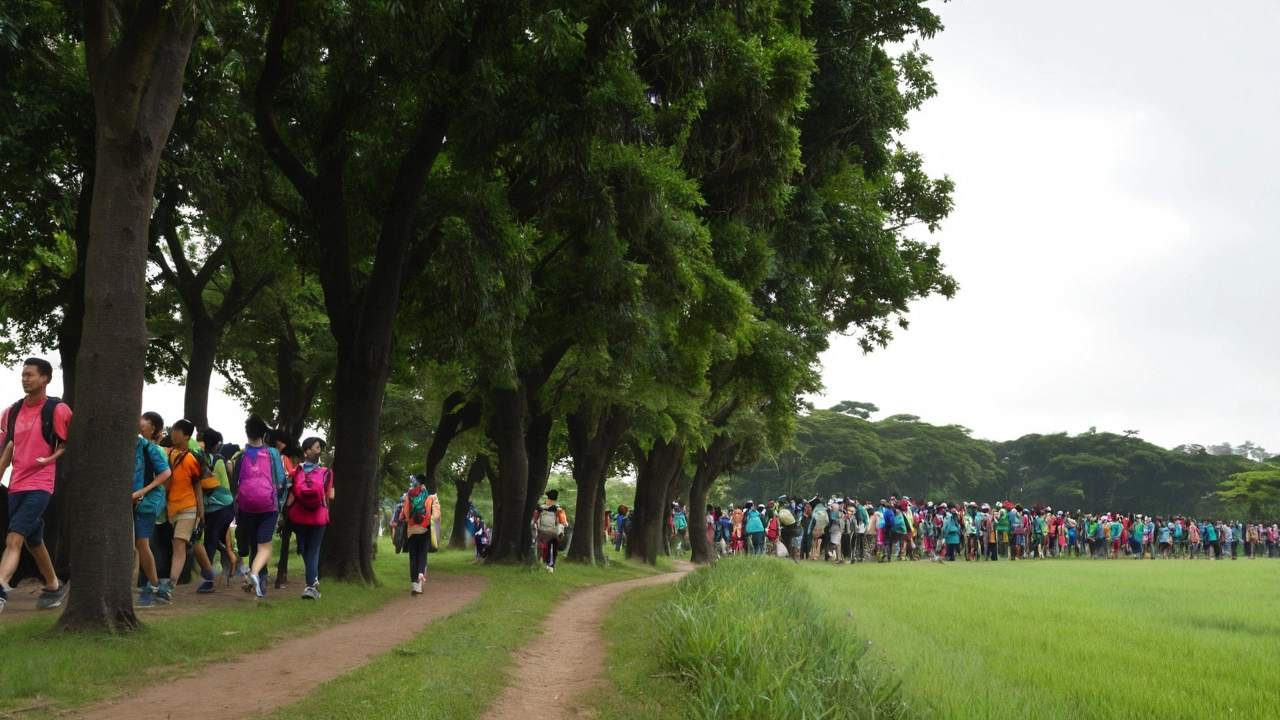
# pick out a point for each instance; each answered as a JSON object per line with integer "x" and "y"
{"x": 841, "y": 451}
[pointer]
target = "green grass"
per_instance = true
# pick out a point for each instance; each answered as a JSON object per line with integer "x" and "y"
{"x": 38, "y": 666}
{"x": 1069, "y": 639}
{"x": 457, "y": 665}
{"x": 745, "y": 639}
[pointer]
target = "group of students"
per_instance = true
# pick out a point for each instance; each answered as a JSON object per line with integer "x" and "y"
{"x": 845, "y": 529}
{"x": 190, "y": 491}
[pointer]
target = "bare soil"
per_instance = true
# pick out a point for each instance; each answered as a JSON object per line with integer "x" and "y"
{"x": 559, "y": 667}
{"x": 287, "y": 672}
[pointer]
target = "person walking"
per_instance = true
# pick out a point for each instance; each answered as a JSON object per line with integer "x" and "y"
{"x": 258, "y": 476}
{"x": 310, "y": 492}
{"x": 185, "y": 507}
{"x": 219, "y": 504}
{"x": 150, "y": 471}
{"x": 550, "y": 522}
{"x": 419, "y": 512}
{"x": 34, "y": 431}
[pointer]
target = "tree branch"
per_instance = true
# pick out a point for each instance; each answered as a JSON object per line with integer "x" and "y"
{"x": 282, "y": 23}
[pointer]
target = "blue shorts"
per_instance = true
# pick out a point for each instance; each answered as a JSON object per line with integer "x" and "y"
{"x": 144, "y": 526}
{"x": 258, "y": 527}
{"x": 26, "y": 515}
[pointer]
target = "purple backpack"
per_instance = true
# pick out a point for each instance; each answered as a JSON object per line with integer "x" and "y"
{"x": 257, "y": 491}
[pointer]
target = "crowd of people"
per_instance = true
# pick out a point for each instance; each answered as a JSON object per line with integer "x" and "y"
{"x": 848, "y": 530}
{"x": 191, "y": 491}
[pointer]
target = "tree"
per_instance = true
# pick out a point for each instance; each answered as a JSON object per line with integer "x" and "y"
{"x": 135, "y": 54}
{"x": 857, "y": 409}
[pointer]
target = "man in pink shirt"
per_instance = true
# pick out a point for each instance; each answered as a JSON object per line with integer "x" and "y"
{"x": 32, "y": 433}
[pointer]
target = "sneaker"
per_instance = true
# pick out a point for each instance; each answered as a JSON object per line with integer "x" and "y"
{"x": 248, "y": 582}
{"x": 147, "y": 598}
{"x": 50, "y": 599}
{"x": 4, "y": 598}
{"x": 417, "y": 588}
{"x": 551, "y": 568}
{"x": 310, "y": 593}
{"x": 164, "y": 593}
{"x": 206, "y": 587}
{"x": 258, "y": 586}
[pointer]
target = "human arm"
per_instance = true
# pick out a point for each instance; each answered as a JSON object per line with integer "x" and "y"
{"x": 56, "y": 454}
{"x": 435, "y": 508}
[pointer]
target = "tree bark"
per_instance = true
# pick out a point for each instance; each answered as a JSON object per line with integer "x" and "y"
{"x": 480, "y": 468}
{"x": 655, "y": 472}
{"x": 711, "y": 464}
{"x": 537, "y": 441}
{"x": 137, "y": 87}
{"x": 506, "y": 430}
{"x": 594, "y": 437}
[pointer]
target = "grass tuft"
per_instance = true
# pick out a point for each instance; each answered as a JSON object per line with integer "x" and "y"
{"x": 749, "y": 639}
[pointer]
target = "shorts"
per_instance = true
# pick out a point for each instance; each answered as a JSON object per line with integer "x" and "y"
{"x": 144, "y": 526}
{"x": 26, "y": 515}
{"x": 257, "y": 527}
{"x": 184, "y": 525}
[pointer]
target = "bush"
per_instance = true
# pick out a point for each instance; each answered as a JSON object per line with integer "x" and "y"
{"x": 751, "y": 641}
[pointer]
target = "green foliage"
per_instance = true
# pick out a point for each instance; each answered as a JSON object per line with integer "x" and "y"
{"x": 750, "y": 640}
{"x": 1254, "y": 494}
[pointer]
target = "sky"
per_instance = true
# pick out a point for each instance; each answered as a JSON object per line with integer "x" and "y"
{"x": 1116, "y": 170}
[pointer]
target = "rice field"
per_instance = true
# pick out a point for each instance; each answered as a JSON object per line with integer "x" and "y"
{"x": 1062, "y": 639}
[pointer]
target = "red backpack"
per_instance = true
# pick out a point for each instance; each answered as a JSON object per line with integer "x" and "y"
{"x": 772, "y": 532}
{"x": 309, "y": 487}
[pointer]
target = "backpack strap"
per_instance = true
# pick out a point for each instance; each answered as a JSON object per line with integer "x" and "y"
{"x": 13, "y": 423}
{"x": 46, "y": 422}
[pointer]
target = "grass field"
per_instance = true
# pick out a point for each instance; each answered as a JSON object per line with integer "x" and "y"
{"x": 1070, "y": 638}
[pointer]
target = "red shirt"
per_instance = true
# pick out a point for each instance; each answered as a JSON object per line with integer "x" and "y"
{"x": 29, "y": 444}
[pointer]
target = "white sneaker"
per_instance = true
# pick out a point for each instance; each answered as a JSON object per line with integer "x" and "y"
{"x": 417, "y": 588}
{"x": 551, "y": 568}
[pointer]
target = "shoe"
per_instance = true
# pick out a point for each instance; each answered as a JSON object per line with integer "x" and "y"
{"x": 256, "y": 585}
{"x": 417, "y": 587}
{"x": 206, "y": 587}
{"x": 4, "y": 598}
{"x": 147, "y": 598}
{"x": 164, "y": 593}
{"x": 551, "y": 568}
{"x": 310, "y": 593}
{"x": 50, "y": 599}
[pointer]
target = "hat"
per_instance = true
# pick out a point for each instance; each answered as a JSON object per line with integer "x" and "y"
{"x": 930, "y": 504}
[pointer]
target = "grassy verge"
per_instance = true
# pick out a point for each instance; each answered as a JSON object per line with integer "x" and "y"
{"x": 52, "y": 671}
{"x": 1057, "y": 640}
{"x": 743, "y": 639}
{"x": 457, "y": 665}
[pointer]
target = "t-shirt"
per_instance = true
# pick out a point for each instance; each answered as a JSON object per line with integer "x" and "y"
{"x": 754, "y": 524}
{"x": 1165, "y": 534}
{"x": 183, "y": 483}
{"x": 29, "y": 444}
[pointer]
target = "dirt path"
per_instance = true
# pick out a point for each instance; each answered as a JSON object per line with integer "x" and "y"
{"x": 287, "y": 672}
{"x": 558, "y": 667}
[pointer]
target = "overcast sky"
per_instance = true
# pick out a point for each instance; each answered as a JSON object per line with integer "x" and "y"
{"x": 1114, "y": 235}
{"x": 1114, "y": 240}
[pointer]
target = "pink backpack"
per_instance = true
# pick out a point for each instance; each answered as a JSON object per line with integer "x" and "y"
{"x": 257, "y": 490}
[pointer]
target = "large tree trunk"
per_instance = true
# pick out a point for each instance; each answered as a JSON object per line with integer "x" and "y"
{"x": 506, "y": 430}
{"x": 205, "y": 336}
{"x": 137, "y": 87}
{"x": 294, "y": 393}
{"x": 537, "y": 441}
{"x": 712, "y": 462}
{"x": 347, "y": 552}
{"x": 656, "y": 470}
{"x": 475, "y": 474}
{"x": 593, "y": 439}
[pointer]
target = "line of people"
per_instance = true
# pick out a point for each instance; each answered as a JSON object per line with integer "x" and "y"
{"x": 845, "y": 529}
{"x": 190, "y": 491}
